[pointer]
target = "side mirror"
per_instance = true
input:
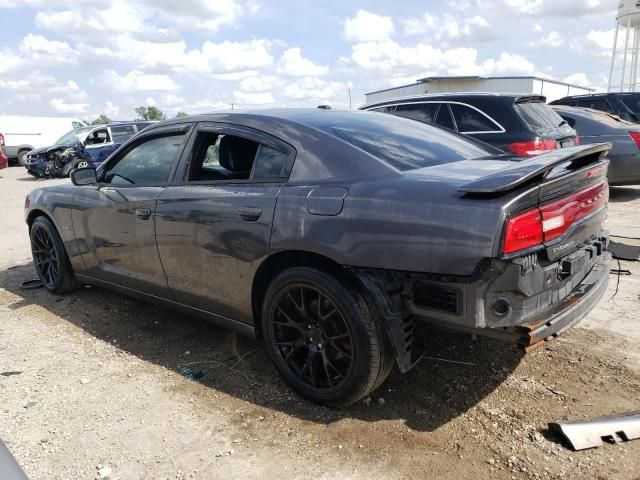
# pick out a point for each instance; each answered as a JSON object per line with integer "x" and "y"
{"x": 83, "y": 176}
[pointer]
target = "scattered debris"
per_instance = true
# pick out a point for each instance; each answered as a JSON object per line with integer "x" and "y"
{"x": 591, "y": 433}
{"x": 191, "y": 374}
{"x": 31, "y": 284}
{"x": 10, "y": 373}
{"x": 84, "y": 381}
{"x": 381, "y": 401}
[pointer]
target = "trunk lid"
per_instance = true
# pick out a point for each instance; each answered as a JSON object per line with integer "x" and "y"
{"x": 571, "y": 189}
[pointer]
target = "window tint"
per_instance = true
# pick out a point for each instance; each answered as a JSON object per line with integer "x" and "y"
{"x": 271, "y": 164}
{"x": 632, "y": 102}
{"x": 98, "y": 137}
{"x": 539, "y": 116}
{"x": 403, "y": 144}
{"x": 471, "y": 120}
{"x": 222, "y": 157}
{"x": 423, "y": 112}
{"x": 444, "y": 118}
{"x": 147, "y": 163}
{"x": 595, "y": 103}
{"x": 381, "y": 109}
{"x": 122, "y": 132}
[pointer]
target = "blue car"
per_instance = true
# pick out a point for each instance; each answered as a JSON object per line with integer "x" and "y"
{"x": 81, "y": 147}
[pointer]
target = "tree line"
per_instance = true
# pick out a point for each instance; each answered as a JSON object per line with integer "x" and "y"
{"x": 143, "y": 113}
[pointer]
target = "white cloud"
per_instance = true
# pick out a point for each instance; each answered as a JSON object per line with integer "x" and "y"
{"x": 253, "y": 99}
{"x": 259, "y": 83}
{"x": 311, "y": 88}
{"x": 292, "y": 63}
{"x": 60, "y": 105}
{"x": 594, "y": 43}
{"x": 552, "y": 39}
{"x": 448, "y": 27}
{"x": 544, "y": 8}
{"x": 577, "y": 79}
{"x": 367, "y": 27}
{"x": 137, "y": 81}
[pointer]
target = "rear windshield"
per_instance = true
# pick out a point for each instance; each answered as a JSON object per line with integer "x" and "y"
{"x": 403, "y": 144}
{"x": 538, "y": 115}
{"x": 632, "y": 102}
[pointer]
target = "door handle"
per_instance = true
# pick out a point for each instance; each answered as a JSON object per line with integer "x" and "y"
{"x": 250, "y": 214}
{"x": 143, "y": 213}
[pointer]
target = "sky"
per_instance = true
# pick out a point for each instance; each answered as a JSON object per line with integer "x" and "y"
{"x": 82, "y": 58}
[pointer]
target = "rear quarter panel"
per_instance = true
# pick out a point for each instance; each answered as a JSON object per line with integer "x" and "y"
{"x": 416, "y": 224}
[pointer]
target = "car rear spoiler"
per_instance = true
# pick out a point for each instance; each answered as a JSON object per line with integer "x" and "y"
{"x": 520, "y": 172}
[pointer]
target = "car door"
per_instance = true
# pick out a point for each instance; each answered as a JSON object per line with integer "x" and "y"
{"x": 114, "y": 221}
{"x": 214, "y": 228}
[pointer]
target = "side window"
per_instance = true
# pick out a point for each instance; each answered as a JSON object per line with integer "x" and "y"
{"x": 423, "y": 112}
{"x": 142, "y": 126}
{"x": 121, "y": 133}
{"x": 444, "y": 118}
{"x": 98, "y": 137}
{"x": 222, "y": 157}
{"x": 471, "y": 120}
{"x": 75, "y": 125}
{"x": 381, "y": 109}
{"x": 595, "y": 103}
{"x": 271, "y": 164}
{"x": 147, "y": 163}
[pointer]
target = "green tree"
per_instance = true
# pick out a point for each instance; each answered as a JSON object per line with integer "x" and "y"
{"x": 181, "y": 114}
{"x": 102, "y": 119}
{"x": 150, "y": 113}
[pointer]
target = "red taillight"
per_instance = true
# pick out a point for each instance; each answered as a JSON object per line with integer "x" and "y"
{"x": 1, "y": 140}
{"x": 552, "y": 220}
{"x": 523, "y": 231}
{"x": 636, "y": 137}
{"x": 577, "y": 140}
{"x": 536, "y": 147}
{"x": 558, "y": 216}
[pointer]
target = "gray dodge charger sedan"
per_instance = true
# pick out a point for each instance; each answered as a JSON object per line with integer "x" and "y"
{"x": 329, "y": 234}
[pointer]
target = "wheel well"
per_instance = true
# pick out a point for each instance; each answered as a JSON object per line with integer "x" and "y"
{"x": 33, "y": 214}
{"x": 279, "y": 262}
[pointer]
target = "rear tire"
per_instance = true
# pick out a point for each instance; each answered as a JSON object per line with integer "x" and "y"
{"x": 50, "y": 257}
{"x": 21, "y": 157}
{"x": 324, "y": 337}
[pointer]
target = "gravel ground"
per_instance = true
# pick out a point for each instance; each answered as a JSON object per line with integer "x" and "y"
{"x": 92, "y": 386}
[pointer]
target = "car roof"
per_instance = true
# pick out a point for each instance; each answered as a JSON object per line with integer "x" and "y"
{"x": 453, "y": 95}
{"x": 601, "y": 94}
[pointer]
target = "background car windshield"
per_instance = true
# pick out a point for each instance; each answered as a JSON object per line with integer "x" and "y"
{"x": 74, "y": 136}
{"x": 539, "y": 116}
{"x": 632, "y": 102}
{"x": 403, "y": 144}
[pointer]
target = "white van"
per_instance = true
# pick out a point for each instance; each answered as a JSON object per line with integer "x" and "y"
{"x": 22, "y": 134}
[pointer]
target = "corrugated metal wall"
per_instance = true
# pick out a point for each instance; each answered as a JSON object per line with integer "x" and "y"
{"x": 504, "y": 85}
{"x": 405, "y": 90}
{"x": 498, "y": 85}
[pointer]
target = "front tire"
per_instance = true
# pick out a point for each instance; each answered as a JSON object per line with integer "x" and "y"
{"x": 50, "y": 257}
{"x": 324, "y": 337}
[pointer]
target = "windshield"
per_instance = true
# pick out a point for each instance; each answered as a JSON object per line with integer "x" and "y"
{"x": 539, "y": 116}
{"x": 403, "y": 144}
{"x": 74, "y": 136}
{"x": 632, "y": 102}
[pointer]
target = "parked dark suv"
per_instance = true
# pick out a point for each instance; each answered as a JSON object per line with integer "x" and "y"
{"x": 625, "y": 105}
{"x": 521, "y": 124}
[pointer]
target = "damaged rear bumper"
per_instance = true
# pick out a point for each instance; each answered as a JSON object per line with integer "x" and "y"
{"x": 525, "y": 300}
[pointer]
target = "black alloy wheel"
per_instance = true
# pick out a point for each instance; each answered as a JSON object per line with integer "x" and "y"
{"x": 45, "y": 256}
{"x": 312, "y": 337}
{"x": 50, "y": 257}
{"x": 324, "y": 336}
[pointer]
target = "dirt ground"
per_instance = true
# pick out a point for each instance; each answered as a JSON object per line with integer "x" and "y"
{"x": 92, "y": 386}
